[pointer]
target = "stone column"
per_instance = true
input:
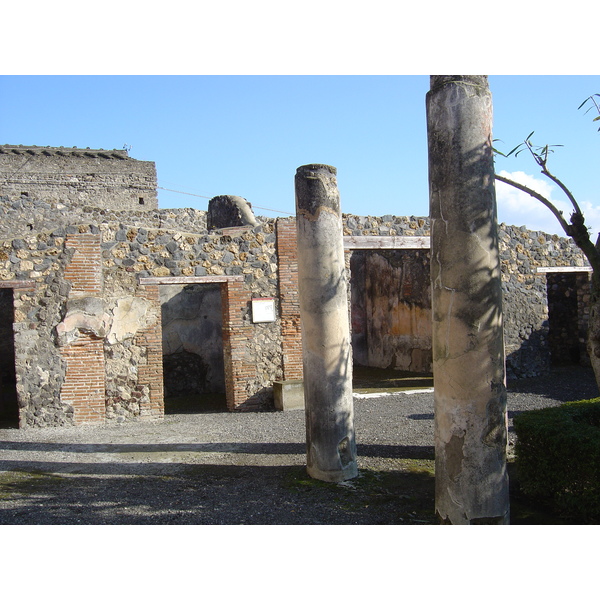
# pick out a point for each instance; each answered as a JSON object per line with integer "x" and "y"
{"x": 468, "y": 347}
{"x": 326, "y": 350}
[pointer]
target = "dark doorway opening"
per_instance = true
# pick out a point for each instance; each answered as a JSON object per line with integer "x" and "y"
{"x": 192, "y": 337}
{"x": 566, "y": 341}
{"x": 9, "y": 408}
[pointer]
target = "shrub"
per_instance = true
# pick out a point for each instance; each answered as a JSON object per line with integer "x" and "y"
{"x": 558, "y": 457}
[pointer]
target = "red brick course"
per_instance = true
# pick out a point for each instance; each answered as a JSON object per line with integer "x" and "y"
{"x": 239, "y": 364}
{"x": 151, "y": 373}
{"x": 84, "y": 272}
{"x": 84, "y": 388}
{"x": 287, "y": 252}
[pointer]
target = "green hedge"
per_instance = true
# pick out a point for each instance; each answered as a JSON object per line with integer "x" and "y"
{"x": 558, "y": 457}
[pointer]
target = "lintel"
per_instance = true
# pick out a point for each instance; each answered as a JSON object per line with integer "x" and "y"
{"x": 564, "y": 270}
{"x": 190, "y": 280}
{"x": 389, "y": 242}
{"x": 18, "y": 284}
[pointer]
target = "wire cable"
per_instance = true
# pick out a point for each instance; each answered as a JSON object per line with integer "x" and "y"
{"x": 208, "y": 198}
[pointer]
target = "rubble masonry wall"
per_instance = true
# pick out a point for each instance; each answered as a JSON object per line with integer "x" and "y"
{"x": 169, "y": 243}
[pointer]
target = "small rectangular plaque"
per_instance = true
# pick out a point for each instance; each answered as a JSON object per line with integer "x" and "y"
{"x": 263, "y": 310}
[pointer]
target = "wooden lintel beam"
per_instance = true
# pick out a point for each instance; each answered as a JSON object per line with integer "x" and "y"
{"x": 564, "y": 270}
{"x": 190, "y": 280}
{"x": 386, "y": 242}
{"x": 18, "y": 284}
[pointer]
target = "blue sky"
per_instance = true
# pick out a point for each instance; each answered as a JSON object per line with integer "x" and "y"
{"x": 246, "y": 135}
{"x": 232, "y": 97}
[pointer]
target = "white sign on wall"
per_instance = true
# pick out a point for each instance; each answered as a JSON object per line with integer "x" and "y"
{"x": 263, "y": 310}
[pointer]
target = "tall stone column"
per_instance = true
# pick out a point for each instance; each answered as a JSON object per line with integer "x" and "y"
{"x": 326, "y": 350}
{"x": 471, "y": 480}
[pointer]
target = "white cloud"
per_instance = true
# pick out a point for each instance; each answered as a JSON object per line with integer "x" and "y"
{"x": 518, "y": 208}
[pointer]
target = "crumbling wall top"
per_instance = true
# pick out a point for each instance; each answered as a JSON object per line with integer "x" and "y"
{"x": 62, "y": 151}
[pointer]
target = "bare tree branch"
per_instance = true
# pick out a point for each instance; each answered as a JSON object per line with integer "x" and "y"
{"x": 576, "y": 230}
{"x": 557, "y": 213}
{"x": 563, "y": 187}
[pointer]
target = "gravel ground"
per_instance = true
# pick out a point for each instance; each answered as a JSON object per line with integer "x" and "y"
{"x": 222, "y": 468}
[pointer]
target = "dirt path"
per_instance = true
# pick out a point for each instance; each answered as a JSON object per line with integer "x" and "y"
{"x": 221, "y": 468}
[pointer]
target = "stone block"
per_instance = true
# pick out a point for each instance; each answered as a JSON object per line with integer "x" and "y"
{"x": 289, "y": 395}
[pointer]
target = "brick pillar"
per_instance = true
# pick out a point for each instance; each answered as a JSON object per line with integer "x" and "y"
{"x": 291, "y": 332}
{"x": 150, "y": 374}
{"x": 84, "y": 388}
{"x": 239, "y": 364}
{"x": 84, "y": 272}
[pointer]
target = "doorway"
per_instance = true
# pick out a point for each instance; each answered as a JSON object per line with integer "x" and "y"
{"x": 391, "y": 310}
{"x": 9, "y": 408}
{"x": 192, "y": 342}
{"x": 567, "y": 330}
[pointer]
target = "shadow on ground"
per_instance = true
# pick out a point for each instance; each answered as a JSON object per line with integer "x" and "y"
{"x": 217, "y": 494}
{"x": 238, "y": 483}
{"x": 155, "y": 493}
{"x": 565, "y": 384}
{"x": 372, "y": 379}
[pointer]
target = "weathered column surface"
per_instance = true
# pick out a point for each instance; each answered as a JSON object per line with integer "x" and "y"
{"x": 468, "y": 346}
{"x": 326, "y": 350}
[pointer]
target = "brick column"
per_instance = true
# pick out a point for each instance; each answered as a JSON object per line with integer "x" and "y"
{"x": 150, "y": 374}
{"x": 239, "y": 365}
{"x": 84, "y": 272}
{"x": 84, "y": 388}
{"x": 291, "y": 332}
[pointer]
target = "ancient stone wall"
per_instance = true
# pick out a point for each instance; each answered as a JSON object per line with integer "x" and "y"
{"x": 129, "y": 254}
{"x": 525, "y": 302}
{"x": 21, "y": 215}
{"x": 108, "y": 179}
{"x": 136, "y": 245}
{"x": 583, "y": 289}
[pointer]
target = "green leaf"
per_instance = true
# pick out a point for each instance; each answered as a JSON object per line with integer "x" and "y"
{"x": 514, "y": 149}
{"x": 582, "y": 103}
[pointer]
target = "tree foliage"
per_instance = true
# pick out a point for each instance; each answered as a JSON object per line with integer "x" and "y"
{"x": 574, "y": 227}
{"x": 592, "y": 100}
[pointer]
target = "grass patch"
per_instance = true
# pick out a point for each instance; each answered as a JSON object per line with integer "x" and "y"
{"x": 404, "y": 496}
{"x": 24, "y": 483}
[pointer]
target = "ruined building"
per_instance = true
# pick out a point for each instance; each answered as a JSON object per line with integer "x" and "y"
{"x": 107, "y": 179}
{"x": 112, "y": 309}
